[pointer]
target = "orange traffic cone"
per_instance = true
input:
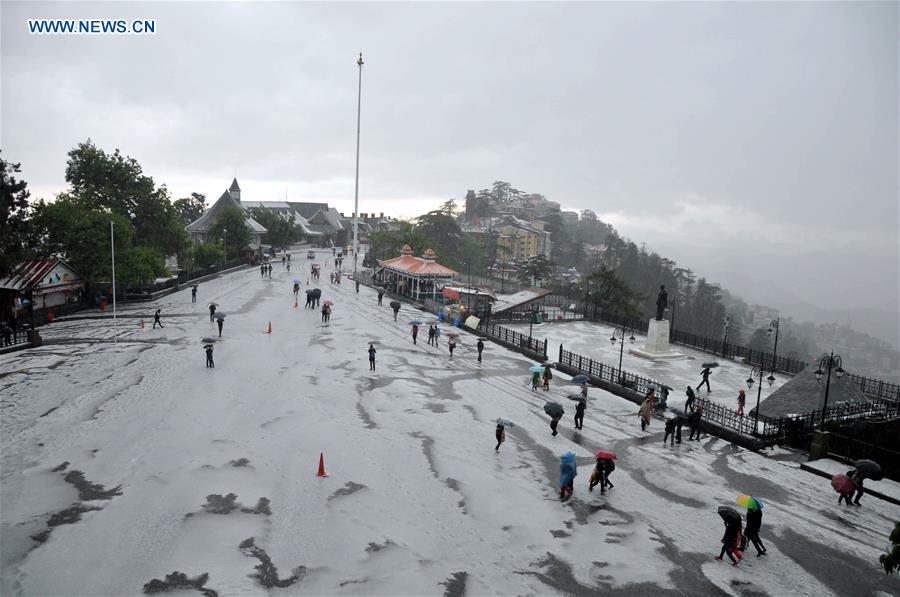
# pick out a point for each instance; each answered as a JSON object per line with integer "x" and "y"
{"x": 321, "y": 472}
{"x": 270, "y": 328}
{"x": 142, "y": 324}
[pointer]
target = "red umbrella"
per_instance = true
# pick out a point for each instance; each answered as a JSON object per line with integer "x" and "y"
{"x": 605, "y": 454}
{"x": 843, "y": 484}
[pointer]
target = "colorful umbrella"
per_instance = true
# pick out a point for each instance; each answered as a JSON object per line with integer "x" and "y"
{"x": 536, "y": 369}
{"x": 581, "y": 379}
{"x": 452, "y": 333}
{"x": 328, "y": 303}
{"x": 505, "y": 422}
{"x": 605, "y": 454}
{"x": 843, "y": 484}
{"x": 296, "y": 281}
{"x": 750, "y": 502}
{"x": 554, "y": 409}
{"x": 729, "y": 514}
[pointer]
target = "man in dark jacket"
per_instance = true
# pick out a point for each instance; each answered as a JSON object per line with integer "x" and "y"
{"x": 751, "y": 531}
{"x": 689, "y": 403}
{"x": 695, "y": 418}
{"x": 380, "y": 295}
{"x": 705, "y": 373}
{"x": 212, "y": 312}
{"x": 156, "y": 321}
{"x": 579, "y": 413}
{"x": 480, "y": 347}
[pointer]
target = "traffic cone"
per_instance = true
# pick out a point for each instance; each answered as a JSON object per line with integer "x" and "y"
{"x": 321, "y": 472}
{"x": 142, "y": 324}
{"x": 270, "y": 328}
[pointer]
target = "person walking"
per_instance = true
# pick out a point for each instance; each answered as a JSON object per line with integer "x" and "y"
{"x": 848, "y": 496}
{"x": 212, "y": 312}
{"x": 568, "y": 470}
{"x": 689, "y": 403}
{"x": 554, "y": 421}
{"x": 579, "y": 413}
{"x": 193, "y": 294}
{"x": 695, "y": 419}
{"x": 705, "y": 373}
{"x": 751, "y": 530}
{"x": 262, "y": 270}
{"x": 283, "y": 260}
{"x": 480, "y": 346}
{"x": 646, "y": 411}
{"x": 741, "y": 401}
{"x": 156, "y": 321}
{"x": 535, "y": 381}
{"x": 289, "y": 265}
{"x": 670, "y": 430}
{"x": 600, "y": 474}
{"x": 431, "y": 335}
{"x": 7, "y": 334}
{"x": 451, "y": 344}
{"x": 730, "y": 540}
{"x": 324, "y": 313}
{"x": 500, "y": 434}
{"x": 372, "y": 352}
{"x": 357, "y": 286}
{"x": 396, "y": 307}
{"x": 296, "y": 290}
{"x": 415, "y": 332}
{"x": 220, "y": 322}
{"x": 209, "y": 356}
{"x": 609, "y": 465}
{"x": 547, "y": 377}
{"x": 858, "y": 478}
{"x": 380, "y": 295}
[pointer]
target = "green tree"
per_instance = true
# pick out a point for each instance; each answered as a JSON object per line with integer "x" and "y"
{"x": 206, "y": 254}
{"x": 891, "y": 560}
{"x": 15, "y": 226}
{"x": 140, "y": 265}
{"x": 535, "y": 270}
{"x": 190, "y": 208}
{"x": 230, "y": 227}
{"x": 607, "y": 293}
{"x": 760, "y": 340}
{"x": 281, "y": 231}
{"x": 81, "y": 235}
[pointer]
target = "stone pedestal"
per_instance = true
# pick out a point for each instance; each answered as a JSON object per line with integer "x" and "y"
{"x": 657, "y": 346}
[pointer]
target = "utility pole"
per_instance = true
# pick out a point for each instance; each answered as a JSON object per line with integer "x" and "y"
{"x": 359, "y": 62}
{"x": 112, "y": 247}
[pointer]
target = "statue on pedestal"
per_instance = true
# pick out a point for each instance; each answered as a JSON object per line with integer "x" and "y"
{"x": 662, "y": 301}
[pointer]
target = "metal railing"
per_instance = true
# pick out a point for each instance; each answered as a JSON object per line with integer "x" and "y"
{"x": 853, "y": 448}
{"x": 607, "y": 373}
{"x": 533, "y": 347}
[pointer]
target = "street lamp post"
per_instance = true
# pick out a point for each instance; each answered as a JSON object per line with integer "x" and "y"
{"x": 225, "y": 244}
{"x": 619, "y": 334}
{"x": 726, "y": 322}
{"x": 758, "y": 372}
{"x": 830, "y": 362}
{"x": 359, "y": 62}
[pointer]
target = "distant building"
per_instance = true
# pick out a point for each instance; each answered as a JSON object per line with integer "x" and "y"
{"x": 569, "y": 218}
{"x": 521, "y": 239}
{"x": 416, "y": 277}
{"x": 49, "y": 282}
{"x": 200, "y": 228}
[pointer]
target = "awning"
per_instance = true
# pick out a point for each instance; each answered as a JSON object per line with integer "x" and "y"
{"x": 58, "y": 288}
{"x": 450, "y": 293}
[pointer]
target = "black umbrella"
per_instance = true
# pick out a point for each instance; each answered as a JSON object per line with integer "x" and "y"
{"x": 395, "y": 304}
{"x": 311, "y": 290}
{"x": 554, "y": 409}
{"x": 317, "y": 292}
{"x": 710, "y": 365}
{"x": 729, "y": 514}
{"x": 870, "y": 469}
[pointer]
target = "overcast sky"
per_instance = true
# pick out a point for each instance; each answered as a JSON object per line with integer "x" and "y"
{"x": 756, "y": 143}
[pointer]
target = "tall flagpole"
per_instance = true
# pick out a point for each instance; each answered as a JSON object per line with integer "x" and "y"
{"x": 112, "y": 245}
{"x": 356, "y": 192}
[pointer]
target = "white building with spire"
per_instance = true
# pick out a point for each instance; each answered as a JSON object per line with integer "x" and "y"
{"x": 199, "y": 229}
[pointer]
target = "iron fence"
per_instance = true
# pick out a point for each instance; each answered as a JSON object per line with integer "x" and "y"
{"x": 853, "y": 449}
{"x": 531, "y": 346}
{"x": 607, "y": 373}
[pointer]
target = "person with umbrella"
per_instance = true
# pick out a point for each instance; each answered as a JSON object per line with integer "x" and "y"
{"x": 480, "y": 347}
{"x": 535, "y": 378}
{"x": 604, "y": 467}
{"x": 845, "y": 486}
{"x": 395, "y": 305}
{"x": 451, "y": 344}
{"x": 691, "y": 396}
{"x": 754, "y": 521}
{"x": 380, "y": 295}
{"x": 415, "y": 331}
{"x": 500, "y": 433}
{"x": 646, "y": 410}
{"x": 732, "y": 537}
{"x": 705, "y": 373}
{"x": 194, "y": 293}
{"x": 864, "y": 469}
{"x": 568, "y": 470}
{"x": 695, "y": 419}
{"x": 296, "y": 290}
{"x": 209, "y": 356}
{"x": 580, "y": 407}
{"x": 212, "y": 312}
{"x": 317, "y": 296}
{"x": 220, "y": 321}
{"x": 556, "y": 411}
{"x": 372, "y": 352}
{"x": 547, "y": 375}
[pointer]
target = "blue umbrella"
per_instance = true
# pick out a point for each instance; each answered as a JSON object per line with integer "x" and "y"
{"x": 536, "y": 369}
{"x": 415, "y": 322}
{"x": 296, "y": 281}
{"x": 581, "y": 379}
{"x": 505, "y": 422}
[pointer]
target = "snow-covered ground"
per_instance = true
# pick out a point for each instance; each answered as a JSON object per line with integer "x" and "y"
{"x": 592, "y": 340}
{"x": 110, "y": 451}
